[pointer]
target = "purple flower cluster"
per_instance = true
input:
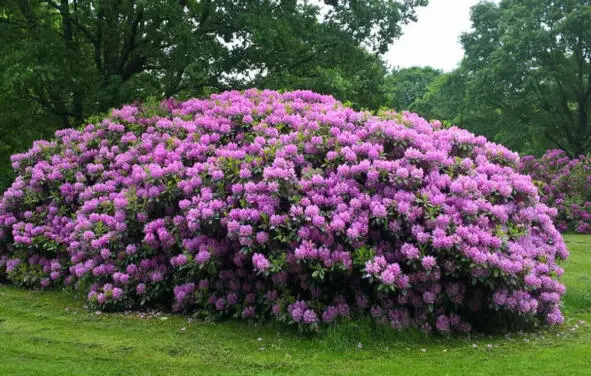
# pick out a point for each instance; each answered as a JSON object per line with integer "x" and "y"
{"x": 290, "y": 206}
{"x": 564, "y": 183}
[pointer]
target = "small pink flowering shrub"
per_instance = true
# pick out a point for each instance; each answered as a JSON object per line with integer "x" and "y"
{"x": 564, "y": 184}
{"x": 284, "y": 206}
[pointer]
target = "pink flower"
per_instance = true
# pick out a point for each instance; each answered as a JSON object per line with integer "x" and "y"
{"x": 260, "y": 262}
{"x": 428, "y": 262}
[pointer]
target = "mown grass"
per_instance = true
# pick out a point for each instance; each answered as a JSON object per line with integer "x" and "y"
{"x": 50, "y": 333}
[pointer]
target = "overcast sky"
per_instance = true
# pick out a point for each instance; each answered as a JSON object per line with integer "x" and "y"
{"x": 434, "y": 39}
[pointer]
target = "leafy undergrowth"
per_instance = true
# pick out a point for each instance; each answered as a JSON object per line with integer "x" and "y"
{"x": 50, "y": 333}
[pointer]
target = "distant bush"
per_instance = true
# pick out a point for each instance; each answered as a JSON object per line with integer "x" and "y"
{"x": 285, "y": 206}
{"x": 565, "y": 184}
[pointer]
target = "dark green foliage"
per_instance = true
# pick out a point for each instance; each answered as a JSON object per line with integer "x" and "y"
{"x": 406, "y": 86}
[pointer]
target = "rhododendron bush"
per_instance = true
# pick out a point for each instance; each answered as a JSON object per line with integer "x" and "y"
{"x": 564, "y": 184}
{"x": 285, "y": 206}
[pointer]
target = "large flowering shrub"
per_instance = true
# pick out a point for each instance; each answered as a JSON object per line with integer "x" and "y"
{"x": 289, "y": 206}
{"x": 564, "y": 184}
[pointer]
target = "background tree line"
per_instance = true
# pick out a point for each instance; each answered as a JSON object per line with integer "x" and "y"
{"x": 525, "y": 80}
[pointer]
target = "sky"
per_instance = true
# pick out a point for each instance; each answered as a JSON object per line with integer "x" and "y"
{"x": 434, "y": 39}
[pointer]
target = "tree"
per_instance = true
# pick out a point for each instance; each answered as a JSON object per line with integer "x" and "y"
{"x": 444, "y": 99}
{"x": 407, "y": 85}
{"x": 63, "y": 60}
{"x": 529, "y": 62}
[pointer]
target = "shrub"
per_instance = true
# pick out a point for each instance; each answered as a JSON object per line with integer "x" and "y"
{"x": 285, "y": 206}
{"x": 564, "y": 184}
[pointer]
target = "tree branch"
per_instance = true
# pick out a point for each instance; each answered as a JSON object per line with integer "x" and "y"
{"x": 74, "y": 21}
{"x": 130, "y": 44}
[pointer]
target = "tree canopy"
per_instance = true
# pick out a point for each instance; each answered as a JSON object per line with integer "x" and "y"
{"x": 405, "y": 86}
{"x": 525, "y": 79}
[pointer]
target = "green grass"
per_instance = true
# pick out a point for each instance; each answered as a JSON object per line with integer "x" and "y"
{"x": 49, "y": 333}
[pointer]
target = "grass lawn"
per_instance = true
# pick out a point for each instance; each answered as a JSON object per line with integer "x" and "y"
{"x": 49, "y": 333}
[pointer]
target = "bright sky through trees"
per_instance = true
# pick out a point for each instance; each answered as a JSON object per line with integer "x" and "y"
{"x": 434, "y": 39}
